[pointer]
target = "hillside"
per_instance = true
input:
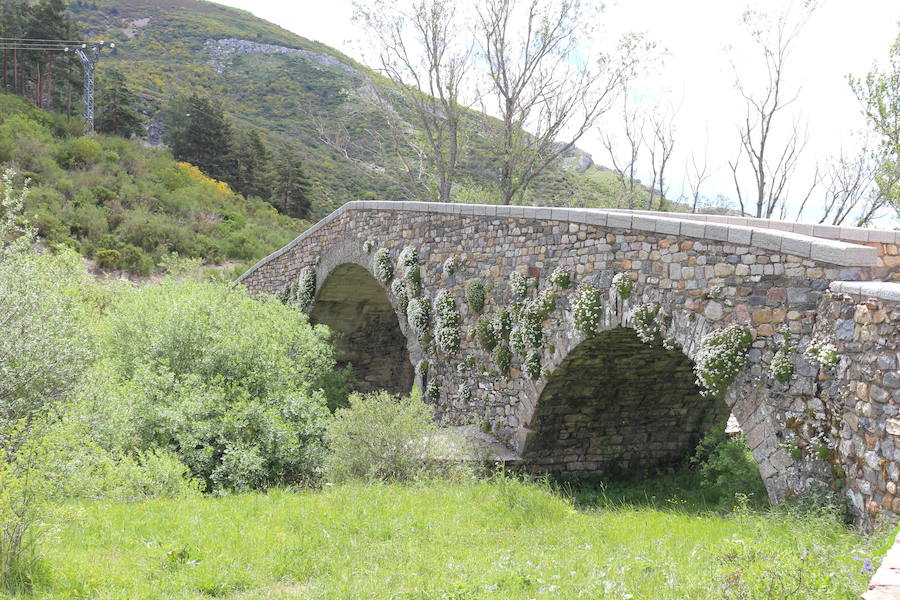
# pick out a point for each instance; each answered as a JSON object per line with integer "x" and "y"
{"x": 126, "y": 206}
{"x": 291, "y": 88}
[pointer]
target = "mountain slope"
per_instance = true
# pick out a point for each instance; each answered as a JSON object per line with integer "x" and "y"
{"x": 291, "y": 88}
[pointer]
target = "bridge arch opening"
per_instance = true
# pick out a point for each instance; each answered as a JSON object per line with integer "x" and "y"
{"x": 618, "y": 407}
{"x": 367, "y": 333}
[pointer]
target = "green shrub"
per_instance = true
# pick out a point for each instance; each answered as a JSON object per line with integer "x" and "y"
{"x": 388, "y": 438}
{"x": 475, "y": 295}
{"x": 237, "y": 387}
{"x": 726, "y": 465}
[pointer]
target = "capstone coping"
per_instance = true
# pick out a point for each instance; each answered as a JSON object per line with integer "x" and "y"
{"x": 717, "y": 227}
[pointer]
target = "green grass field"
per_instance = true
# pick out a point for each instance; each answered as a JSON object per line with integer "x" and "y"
{"x": 494, "y": 539}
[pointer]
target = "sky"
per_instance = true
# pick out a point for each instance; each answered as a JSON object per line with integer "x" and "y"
{"x": 703, "y": 40}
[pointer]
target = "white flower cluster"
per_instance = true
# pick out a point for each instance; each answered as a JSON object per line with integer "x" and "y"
{"x": 782, "y": 367}
{"x": 532, "y": 363}
{"x": 306, "y": 288}
{"x": 502, "y": 356}
{"x": 432, "y": 391}
{"x": 823, "y": 352}
{"x": 446, "y": 322}
{"x": 418, "y": 315}
{"x": 451, "y": 266}
{"x": 409, "y": 258}
{"x": 368, "y": 246}
{"x": 422, "y": 369}
{"x": 588, "y": 309}
{"x": 465, "y": 394}
{"x": 560, "y": 278}
{"x": 645, "y": 325}
{"x": 398, "y": 288}
{"x": 543, "y": 304}
{"x": 721, "y": 356}
{"x": 532, "y": 329}
{"x": 671, "y": 344}
{"x": 503, "y": 325}
{"x": 518, "y": 284}
{"x": 623, "y": 285}
{"x": 383, "y": 267}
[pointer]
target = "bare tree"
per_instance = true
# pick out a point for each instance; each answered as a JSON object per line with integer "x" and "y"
{"x": 697, "y": 174}
{"x": 661, "y": 145}
{"x": 545, "y": 81}
{"x": 624, "y": 155}
{"x": 771, "y": 155}
{"x": 423, "y": 49}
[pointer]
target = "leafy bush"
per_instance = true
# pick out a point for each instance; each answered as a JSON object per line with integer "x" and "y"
{"x": 388, "y": 438}
{"x": 623, "y": 285}
{"x": 228, "y": 382}
{"x": 726, "y": 465}
{"x": 645, "y": 325}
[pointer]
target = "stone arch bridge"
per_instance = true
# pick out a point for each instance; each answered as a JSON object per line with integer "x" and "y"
{"x": 590, "y": 379}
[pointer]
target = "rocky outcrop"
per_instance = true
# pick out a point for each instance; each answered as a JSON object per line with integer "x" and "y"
{"x": 222, "y": 51}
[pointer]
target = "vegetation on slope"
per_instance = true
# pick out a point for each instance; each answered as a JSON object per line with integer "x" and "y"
{"x": 128, "y": 206}
{"x": 315, "y": 97}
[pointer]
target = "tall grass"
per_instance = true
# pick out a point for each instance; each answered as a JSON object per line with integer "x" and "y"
{"x": 495, "y": 539}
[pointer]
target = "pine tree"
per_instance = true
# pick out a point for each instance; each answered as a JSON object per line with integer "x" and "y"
{"x": 253, "y": 165}
{"x": 116, "y": 107}
{"x": 199, "y": 133}
{"x": 293, "y": 190}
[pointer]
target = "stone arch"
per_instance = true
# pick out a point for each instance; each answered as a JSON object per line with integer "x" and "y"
{"x": 367, "y": 332}
{"x": 616, "y": 405}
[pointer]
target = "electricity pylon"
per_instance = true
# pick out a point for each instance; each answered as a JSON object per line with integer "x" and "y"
{"x": 89, "y": 54}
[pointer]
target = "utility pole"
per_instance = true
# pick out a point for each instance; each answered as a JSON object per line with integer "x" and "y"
{"x": 89, "y": 54}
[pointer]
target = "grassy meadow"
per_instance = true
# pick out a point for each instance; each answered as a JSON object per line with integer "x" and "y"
{"x": 500, "y": 538}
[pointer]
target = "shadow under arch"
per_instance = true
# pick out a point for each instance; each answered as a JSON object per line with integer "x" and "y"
{"x": 367, "y": 332}
{"x": 616, "y": 406}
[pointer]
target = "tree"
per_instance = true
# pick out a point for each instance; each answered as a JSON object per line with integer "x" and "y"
{"x": 421, "y": 51}
{"x": 253, "y": 165}
{"x": 697, "y": 174}
{"x": 661, "y": 145}
{"x": 116, "y": 107}
{"x": 545, "y": 81}
{"x": 625, "y": 163}
{"x": 199, "y": 133}
{"x": 879, "y": 95}
{"x": 292, "y": 190}
{"x": 771, "y": 156}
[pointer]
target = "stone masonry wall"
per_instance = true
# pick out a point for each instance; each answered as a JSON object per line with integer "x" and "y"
{"x": 703, "y": 276}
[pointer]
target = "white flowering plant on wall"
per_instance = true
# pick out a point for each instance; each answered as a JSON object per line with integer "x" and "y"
{"x": 644, "y": 321}
{"x": 446, "y": 322}
{"x": 623, "y": 285}
{"x": 383, "y": 267}
{"x": 306, "y": 288}
{"x": 398, "y": 288}
{"x": 561, "y": 278}
{"x": 721, "y": 356}
{"x": 588, "y": 309}
{"x": 518, "y": 285}
{"x": 418, "y": 315}
{"x": 475, "y": 295}
{"x": 409, "y": 258}
{"x": 450, "y": 266}
{"x": 368, "y": 246}
{"x": 825, "y": 353}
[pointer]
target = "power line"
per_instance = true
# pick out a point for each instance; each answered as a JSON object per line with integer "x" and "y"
{"x": 87, "y": 52}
